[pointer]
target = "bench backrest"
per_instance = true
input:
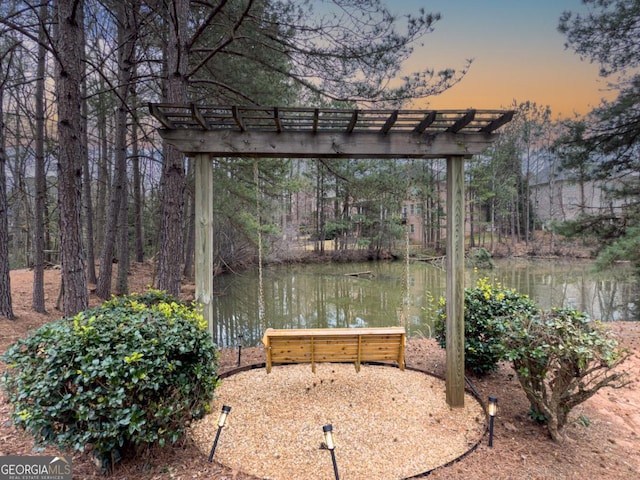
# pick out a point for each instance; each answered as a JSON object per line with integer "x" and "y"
{"x": 334, "y": 345}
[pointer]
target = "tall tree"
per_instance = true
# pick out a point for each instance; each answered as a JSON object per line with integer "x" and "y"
{"x": 126, "y": 13}
{"x": 511, "y": 163}
{"x": 576, "y": 159}
{"x": 6, "y": 306}
{"x": 40, "y": 174}
{"x": 173, "y": 174}
{"x": 497, "y": 185}
{"x": 137, "y": 179}
{"x": 341, "y": 50}
{"x": 608, "y": 36}
{"x": 533, "y": 123}
{"x": 68, "y": 55}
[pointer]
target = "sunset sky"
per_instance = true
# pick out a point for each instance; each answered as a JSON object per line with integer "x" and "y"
{"x": 518, "y": 55}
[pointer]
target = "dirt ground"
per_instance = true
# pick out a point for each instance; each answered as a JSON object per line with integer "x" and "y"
{"x": 603, "y": 441}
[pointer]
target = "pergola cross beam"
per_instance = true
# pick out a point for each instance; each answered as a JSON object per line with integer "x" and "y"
{"x": 207, "y": 131}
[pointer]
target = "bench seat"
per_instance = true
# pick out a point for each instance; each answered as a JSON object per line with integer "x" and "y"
{"x": 316, "y": 345}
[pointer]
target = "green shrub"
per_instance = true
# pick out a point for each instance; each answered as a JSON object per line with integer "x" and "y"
{"x": 487, "y": 311}
{"x": 130, "y": 373}
{"x": 562, "y": 358}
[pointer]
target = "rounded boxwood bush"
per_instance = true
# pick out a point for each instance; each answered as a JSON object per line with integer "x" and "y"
{"x": 487, "y": 310}
{"x": 128, "y": 374}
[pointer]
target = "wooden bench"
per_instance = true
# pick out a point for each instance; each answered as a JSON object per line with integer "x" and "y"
{"x": 318, "y": 345}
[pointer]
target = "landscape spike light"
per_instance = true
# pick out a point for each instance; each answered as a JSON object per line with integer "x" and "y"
{"x": 223, "y": 415}
{"x": 221, "y": 421}
{"x": 240, "y": 348}
{"x": 327, "y": 430}
{"x": 492, "y": 410}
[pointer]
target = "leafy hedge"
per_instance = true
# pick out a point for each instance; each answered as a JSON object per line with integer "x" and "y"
{"x": 486, "y": 307}
{"x": 130, "y": 373}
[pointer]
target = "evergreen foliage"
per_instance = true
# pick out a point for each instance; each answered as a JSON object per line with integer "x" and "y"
{"x": 605, "y": 147}
{"x": 488, "y": 309}
{"x": 127, "y": 374}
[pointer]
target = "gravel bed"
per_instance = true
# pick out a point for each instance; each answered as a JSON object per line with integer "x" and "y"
{"x": 387, "y": 423}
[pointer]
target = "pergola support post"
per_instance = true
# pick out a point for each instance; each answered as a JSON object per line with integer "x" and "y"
{"x": 455, "y": 382}
{"x": 204, "y": 236}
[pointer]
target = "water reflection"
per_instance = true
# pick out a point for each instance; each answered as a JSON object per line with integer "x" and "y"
{"x": 385, "y": 294}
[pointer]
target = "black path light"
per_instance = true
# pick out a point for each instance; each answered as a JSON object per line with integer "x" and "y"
{"x": 221, "y": 421}
{"x": 328, "y": 440}
{"x": 240, "y": 348}
{"x": 492, "y": 409}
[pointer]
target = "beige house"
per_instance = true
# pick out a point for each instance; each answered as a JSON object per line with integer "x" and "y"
{"x": 559, "y": 196}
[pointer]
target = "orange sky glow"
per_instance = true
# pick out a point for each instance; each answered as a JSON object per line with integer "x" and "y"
{"x": 518, "y": 56}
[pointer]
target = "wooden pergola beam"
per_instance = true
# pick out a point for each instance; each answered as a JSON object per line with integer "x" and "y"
{"x": 237, "y": 116}
{"x": 462, "y": 122}
{"x": 197, "y": 114}
{"x": 428, "y": 119}
{"x": 393, "y": 118}
{"x": 160, "y": 116}
{"x": 276, "y": 120}
{"x": 250, "y": 118}
{"x": 295, "y": 144}
{"x": 353, "y": 122}
{"x": 497, "y": 123}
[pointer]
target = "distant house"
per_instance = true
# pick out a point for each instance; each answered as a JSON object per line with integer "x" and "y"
{"x": 425, "y": 228}
{"x": 560, "y": 196}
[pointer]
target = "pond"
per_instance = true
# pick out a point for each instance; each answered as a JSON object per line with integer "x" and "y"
{"x": 371, "y": 294}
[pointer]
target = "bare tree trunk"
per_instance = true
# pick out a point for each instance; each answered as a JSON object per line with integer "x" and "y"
{"x": 130, "y": 19}
{"x": 191, "y": 241}
{"x": 118, "y": 197}
{"x": 69, "y": 48}
{"x": 104, "y": 181}
{"x": 320, "y": 226}
{"x": 472, "y": 232}
{"x": 103, "y": 285}
{"x": 21, "y": 237}
{"x": 88, "y": 206}
{"x": 171, "y": 233}
{"x": 552, "y": 200}
{"x": 6, "y": 307}
{"x": 514, "y": 220}
{"x": 122, "y": 284}
{"x": 493, "y": 225}
{"x": 439, "y": 212}
{"x": 527, "y": 198}
{"x": 40, "y": 175}
{"x": 137, "y": 179}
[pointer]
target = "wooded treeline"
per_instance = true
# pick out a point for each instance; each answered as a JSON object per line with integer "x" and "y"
{"x": 94, "y": 65}
{"x": 85, "y": 181}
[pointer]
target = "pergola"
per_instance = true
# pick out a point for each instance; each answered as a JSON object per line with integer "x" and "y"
{"x": 206, "y": 131}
